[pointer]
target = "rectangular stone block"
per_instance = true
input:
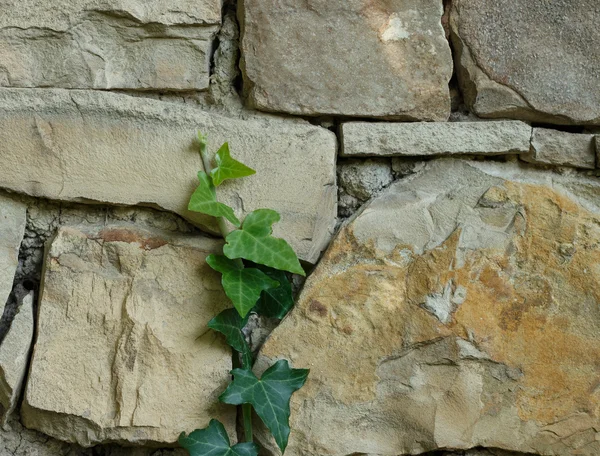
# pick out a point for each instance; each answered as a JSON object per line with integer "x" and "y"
{"x": 98, "y": 146}
{"x": 123, "y": 353}
{"x": 554, "y": 147}
{"x": 13, "y": 216}
{"x": 435, "y": 138}
{"x": 107, "y": 44}
{"x": 385, "y": 59}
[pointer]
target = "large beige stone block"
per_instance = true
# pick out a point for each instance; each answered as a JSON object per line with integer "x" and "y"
{"x": 458, "y": 309}
{"x": 379, "y": 58}
{"x": 107, "y": 44}
{"x": 123, "y": 353}
{"x": 529, "y": 60}
{"x": 85, "y": 145}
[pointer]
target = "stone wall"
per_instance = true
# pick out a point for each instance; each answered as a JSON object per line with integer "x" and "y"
{"x": 436, "y": 167}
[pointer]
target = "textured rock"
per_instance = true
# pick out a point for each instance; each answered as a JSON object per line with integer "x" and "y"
{"x": 362, "y": 179}
{"x": 107, "y": 44}
{"x": 83, "y": 145}
{"x": 553, "y": 147}
{"x": 458, "y": 309}
{"x": 12, "y": 227}
{"x": 529, "y": 60}
{"x": 14, "y": 356}
{"x": 435, "y": 138}
{"x": 347, "y": 57}
{"x": 123, "y": 353}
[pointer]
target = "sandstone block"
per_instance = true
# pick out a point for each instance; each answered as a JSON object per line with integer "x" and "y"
{"x": 14, "y": 357}
{"x": 529, "y": 60}
{"x": 435, "y": 138}
{"x": 12, "y": 228}
{"x": 385, "y": 59}
{"x": 458, "y": 309}
{"x": 553, "y": 147}
{"x": 97, "y": 146}
{"x": 123, "y": 353}
{"x": 107, "y": 44}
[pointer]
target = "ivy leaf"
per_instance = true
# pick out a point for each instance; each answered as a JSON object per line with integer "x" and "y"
{"x": 275, "y": 302}
{"x": 254, "y": 242}
{"x": 227, "y": 167}
{"x": 230, "y": 324}
{"x": 242, "y": 285}
{"x": 204, "y": 200}
{"x": 270, "y": 396}
{"x": 214, "y": 441}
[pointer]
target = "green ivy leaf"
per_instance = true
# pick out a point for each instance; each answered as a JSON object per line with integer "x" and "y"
{"x": 275, "y": 302}
{"x": 270, "y": 396}
{"x": 214, "y": 441}
{"x": 227, "y": 167}
{"x": 254, "y": 242}
{"x": 230, "y": 324}
{"x": 204, "y": 200}
{"x": 242, "y": 285}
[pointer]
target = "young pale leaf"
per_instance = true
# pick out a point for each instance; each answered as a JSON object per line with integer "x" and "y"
{"x": 204, "y": 200}
{"x": 275, "y": 302}
{"x": 242, "y": 285}
{"x": 270, "y": 396}
{"x": 227, "y": 167}
{"x": 254, "y": 242}
{"x": 230, "y": 324}
{"x": 214, "y": 441}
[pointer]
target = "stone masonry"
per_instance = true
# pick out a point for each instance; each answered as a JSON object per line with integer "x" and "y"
{"x": 436, "y": 167}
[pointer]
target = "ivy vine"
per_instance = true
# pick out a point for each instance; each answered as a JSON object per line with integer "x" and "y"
{"x": 255, "y": 268}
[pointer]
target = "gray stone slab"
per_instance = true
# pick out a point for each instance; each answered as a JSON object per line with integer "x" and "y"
{"x": 554, "y": 147}
{"x": 435, "y": 138}
{"x": 107, "y": 44}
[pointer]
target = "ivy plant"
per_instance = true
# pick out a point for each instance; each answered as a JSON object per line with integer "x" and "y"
{"x": 255, "y": 269}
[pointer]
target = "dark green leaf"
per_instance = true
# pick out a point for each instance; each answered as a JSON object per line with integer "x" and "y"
{"x": 214, "y": 441}
{"x": 254, "y": 242}
{"x": 227, "y": 167}
{"x": 242, "y": 285}
{"x": 270, "y": 396}
{"x": 204, "y": 200}
{"x": 230, "y": 324}
{"x": 275, "y": 302}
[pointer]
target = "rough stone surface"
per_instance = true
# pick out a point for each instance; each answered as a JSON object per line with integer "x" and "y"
{"x": 12, "y": 227}
{"x": 529, "y": 60}
{"x": 14, "y": 356}
{"x": 123, "y": 353}
{"x": 15, "y": 440}
{"x": 435, "y": 138}
{"x": 553, "y": 147}
{"x": 460, "y": 308}
{"x": 83, "y": 145}
{"x": 107, "y": 44}
{"x": 362, "y": 179}
{"x": 347, "y": 57}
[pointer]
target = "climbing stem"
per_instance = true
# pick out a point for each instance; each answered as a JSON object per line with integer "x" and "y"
{"x": 246, "y": 408}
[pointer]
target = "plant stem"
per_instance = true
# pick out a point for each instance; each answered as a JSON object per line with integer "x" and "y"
{"x": 246, "y": 408}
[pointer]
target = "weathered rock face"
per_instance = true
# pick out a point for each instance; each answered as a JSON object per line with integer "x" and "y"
{"x": 435, "y": 138}
{"x": 553, "y": 147}
{"x": 529, "y": 60}
{"x": 123, "y": 353}
{"x": 12, "y": 227}
{"x": 107, "y": 44}
{"x": 350, "y": 57}
{"x": 80, "y": 145}
{"x": 458, "y": 309}
{"x": 14, "y": 356}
